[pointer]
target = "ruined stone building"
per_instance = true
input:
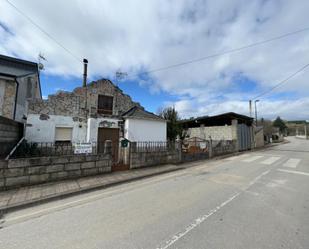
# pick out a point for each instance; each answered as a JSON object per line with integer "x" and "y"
{"x": 19, "y": 82}
{"x": 95, "y": 113}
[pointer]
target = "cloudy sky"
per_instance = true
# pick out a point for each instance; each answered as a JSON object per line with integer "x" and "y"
{"x": 137, "y": 36}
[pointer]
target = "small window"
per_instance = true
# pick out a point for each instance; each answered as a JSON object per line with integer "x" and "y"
{"x": 105, "y": 104}
{"x": 63, "y": 135}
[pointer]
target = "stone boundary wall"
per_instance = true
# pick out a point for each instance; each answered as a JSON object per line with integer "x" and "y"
{"x": 145, "y": 159}
{"x": 10, "y": 133}
{"x": 28, "y": 171}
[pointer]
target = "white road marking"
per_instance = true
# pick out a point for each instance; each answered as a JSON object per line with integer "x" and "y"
{"x": 232, "y": 158}
{"x": 251, "y": 159}
{"x": 271, "y": 160}
{"x": 294, "y": 172}
{"x": 204, "y": 217}
{"x": 258, "y": 177}
{"x": 292, "y": 163}
{"x": 197, "y": 222}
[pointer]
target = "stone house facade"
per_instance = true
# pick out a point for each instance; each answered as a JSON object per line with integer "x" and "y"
{"x": 95, "y": 113}
{"x": 19, "y": 82}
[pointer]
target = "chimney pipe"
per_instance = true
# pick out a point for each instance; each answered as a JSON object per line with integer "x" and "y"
{"x": 85, "y": 72}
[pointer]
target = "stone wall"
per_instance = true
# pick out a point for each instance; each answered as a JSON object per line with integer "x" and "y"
{"x": 83, "y": 102}
{"x": 140, "y": 159}
{"x": 259, "y": 138}
{"x": 8, "y": 102}
{"x": 216, "y": 132}
{"x": 29, "y": 171}
{"x": 10, "y": 133}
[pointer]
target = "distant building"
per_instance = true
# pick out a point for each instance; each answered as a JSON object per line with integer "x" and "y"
{"x": 19, "y": 82}
{"x": 297, "y": 127}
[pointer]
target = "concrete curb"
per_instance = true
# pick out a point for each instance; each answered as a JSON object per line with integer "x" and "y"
{"x": 70, "y": 193}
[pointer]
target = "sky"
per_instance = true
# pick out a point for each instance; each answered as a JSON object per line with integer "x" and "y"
{"x": 137, "y": 37}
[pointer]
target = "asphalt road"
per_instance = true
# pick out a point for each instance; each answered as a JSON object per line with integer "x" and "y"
{"x": 254, "y": 200}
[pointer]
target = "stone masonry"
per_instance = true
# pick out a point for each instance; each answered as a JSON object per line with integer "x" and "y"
{"x": 8, "y": 98}
{"x": 83, "y": 102}
{"x": 28, "y": 171}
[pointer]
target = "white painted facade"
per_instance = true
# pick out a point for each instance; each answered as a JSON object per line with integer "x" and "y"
{"x": 38, "y": 130}
{"x": 94, "y": 123}
{"x": 144, "y": 130}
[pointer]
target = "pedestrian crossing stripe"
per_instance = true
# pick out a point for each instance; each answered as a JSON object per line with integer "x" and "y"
{"x": 270, "y": 160}
{"x": 291, "y": 163}
{"x": 252, "y": 158}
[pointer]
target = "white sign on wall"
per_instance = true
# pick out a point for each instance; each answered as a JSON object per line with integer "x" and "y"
{"x": 83, "y": 148}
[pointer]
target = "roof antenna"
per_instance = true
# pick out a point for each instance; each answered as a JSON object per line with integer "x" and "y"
{"x": 40, "y": 58}
{"x": 119, "y": 76}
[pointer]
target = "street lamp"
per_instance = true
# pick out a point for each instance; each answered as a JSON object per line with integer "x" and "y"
{"x": 256, "y": 121}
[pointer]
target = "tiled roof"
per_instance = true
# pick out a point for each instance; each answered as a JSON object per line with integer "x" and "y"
{"x": 139, "y": 113}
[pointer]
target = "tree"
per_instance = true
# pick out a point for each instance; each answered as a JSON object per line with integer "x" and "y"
{"x": 280, "y": 124}
{"x": 174, "y": 128}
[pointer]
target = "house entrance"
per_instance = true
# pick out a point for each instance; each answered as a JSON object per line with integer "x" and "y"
{"x": 112, "y": 134}
{"x": 109, "y": 134}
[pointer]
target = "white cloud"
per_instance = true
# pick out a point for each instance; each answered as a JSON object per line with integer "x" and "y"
{"x": 134, "y": 35}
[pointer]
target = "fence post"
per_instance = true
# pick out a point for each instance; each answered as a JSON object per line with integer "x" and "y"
{"x": 108, "y": 147}
{"x": 210, "y": 148}
{"x": 178, "y": 147}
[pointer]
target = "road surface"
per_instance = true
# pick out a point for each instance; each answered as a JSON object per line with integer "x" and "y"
{"x": 255, "y": 200}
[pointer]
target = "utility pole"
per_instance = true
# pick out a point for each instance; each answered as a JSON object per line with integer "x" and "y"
{"x": 256, "y": 120}
{"x": 250, "y": 108}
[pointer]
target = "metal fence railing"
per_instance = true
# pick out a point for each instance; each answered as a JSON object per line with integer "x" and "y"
{"x": 38, "y": 149}
{"x": 158, "y": 146}
{"x": 191, "y": 149}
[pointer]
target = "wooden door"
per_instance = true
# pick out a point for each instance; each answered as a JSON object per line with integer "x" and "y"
{"x": 109, "y": 134}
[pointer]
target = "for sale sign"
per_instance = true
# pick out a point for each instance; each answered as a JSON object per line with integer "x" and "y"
{"x": 83, "y": 148}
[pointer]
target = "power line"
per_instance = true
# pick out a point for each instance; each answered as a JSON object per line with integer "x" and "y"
{"x": 282, "y": 82}
{"x": 229, "y": 51}
{"x": 43, "y": 31}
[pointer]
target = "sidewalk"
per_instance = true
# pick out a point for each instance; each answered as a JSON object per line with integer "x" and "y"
{"x": 30, "y": 195}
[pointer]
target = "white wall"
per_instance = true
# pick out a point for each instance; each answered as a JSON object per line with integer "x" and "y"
{"x": 38, "y": 130}
{"x": 145, "y": 130}
{"x": 94, "y": 124}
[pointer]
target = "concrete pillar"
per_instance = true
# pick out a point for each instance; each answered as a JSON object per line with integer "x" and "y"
{"x": 235, "y": 134}
{"x": 178, "y": 148}
{"x": 126, "y": 155}
{"x": 210, "y": 151}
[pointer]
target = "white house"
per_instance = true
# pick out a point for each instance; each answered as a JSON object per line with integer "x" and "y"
{"x": 141, "y": 125}
{"x": 96, "y": 113}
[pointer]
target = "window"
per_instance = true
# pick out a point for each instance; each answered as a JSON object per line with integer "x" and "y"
{"x": 63, "y": 135}
{"x": 105, "y": 104}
